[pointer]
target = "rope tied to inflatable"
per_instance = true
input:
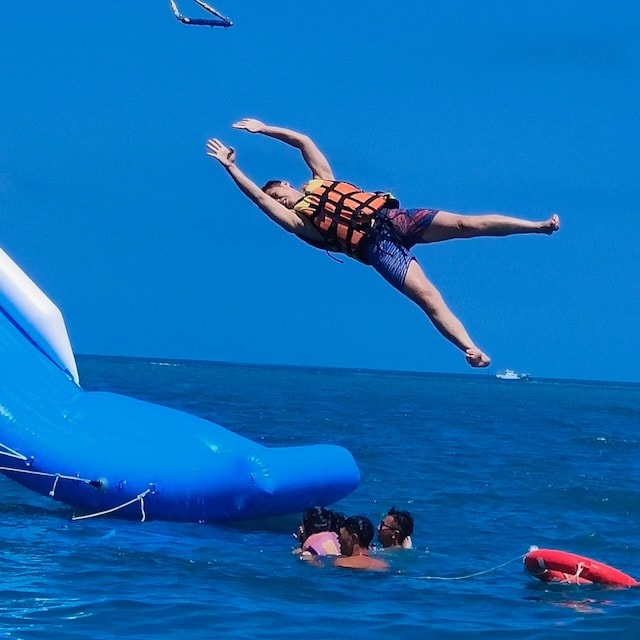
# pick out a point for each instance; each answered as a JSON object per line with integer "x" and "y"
{"x": 12, "y": 453}
{"x": 55, "y": 484}
{"x": 140, "y": 497}
{"x": 59, "y": 476}
{"x": 56, "y": 476}
{"x": 579, "y": 570}
{"x": 473, "y": 575}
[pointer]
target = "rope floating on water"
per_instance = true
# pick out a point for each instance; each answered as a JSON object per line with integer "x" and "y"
{"x": 473, "y": 575}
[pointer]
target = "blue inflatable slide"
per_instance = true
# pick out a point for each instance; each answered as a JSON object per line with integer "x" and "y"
{"x": 107, "y": 454}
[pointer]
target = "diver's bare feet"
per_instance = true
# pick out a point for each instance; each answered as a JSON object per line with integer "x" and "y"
{"x": 476, "y": 358}
{"x": 551, "y": 225}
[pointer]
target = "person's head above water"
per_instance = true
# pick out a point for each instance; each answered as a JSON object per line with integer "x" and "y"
{"x": 356, "y": 533}
{"x": 395, "y": 529}
{"x": 316, "y": 520}
{"x": 281, "y": 191}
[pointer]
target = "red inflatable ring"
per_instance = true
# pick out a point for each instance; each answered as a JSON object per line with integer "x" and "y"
{"x": 550, "y": 565}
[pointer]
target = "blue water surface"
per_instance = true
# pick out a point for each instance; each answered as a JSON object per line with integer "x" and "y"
{"x": 487, "y": 468}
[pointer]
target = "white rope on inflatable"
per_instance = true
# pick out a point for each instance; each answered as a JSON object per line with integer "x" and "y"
{"x": 11, "y": 453}
{"x": 57, "y": 476}
{"x": 139, "y": 497}
{"x": 472, "y": 575}
{"x": 579, "y": 570}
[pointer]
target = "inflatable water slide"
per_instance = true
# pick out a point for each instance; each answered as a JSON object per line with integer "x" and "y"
{"x": 108, "y": 454}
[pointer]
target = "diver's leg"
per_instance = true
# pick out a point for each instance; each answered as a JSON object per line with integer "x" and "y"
{"x": 418, "y": 287}
{"x": 447, "y": 226}
{"x": 396, "y": 264}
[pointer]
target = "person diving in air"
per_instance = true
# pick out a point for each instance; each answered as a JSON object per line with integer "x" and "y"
{"x": 369, "y": 226}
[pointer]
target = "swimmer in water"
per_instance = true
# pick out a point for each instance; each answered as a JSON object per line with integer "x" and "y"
{"x": 318, "y": 534}
{"x": 395, "y": 529}
{"x": 356, "y": 535}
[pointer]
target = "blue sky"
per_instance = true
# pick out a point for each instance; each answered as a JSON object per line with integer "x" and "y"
{"x": 108, "y": 201}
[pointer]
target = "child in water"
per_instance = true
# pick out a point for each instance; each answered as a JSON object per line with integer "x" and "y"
{"x": 318, "y": 533}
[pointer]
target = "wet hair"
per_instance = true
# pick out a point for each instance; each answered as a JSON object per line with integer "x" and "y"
{"x": 271, "y": 183}
{"x": 404, "y": 522}
{"x": 337, "y": 520}
{"x": 362, "y": 527}
{"x": 316, "y": 520}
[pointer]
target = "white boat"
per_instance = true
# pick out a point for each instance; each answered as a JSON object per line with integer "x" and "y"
{"x": 510, "y": 374}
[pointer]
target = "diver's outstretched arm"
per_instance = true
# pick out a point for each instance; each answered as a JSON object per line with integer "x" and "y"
{"x": 314, "y": 158}
{"x": 226, "y": 156}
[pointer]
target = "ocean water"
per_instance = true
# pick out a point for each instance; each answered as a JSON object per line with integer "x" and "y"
{"x": 487, "y": 468}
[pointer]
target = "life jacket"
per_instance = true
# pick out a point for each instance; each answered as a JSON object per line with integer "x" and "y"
{"x": 341, "y": 212}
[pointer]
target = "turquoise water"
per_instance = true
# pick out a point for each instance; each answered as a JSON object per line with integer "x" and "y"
{"x": 487, "y": 467}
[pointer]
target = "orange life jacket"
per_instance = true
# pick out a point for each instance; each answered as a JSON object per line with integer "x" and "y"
{"x": 341, "y": 212}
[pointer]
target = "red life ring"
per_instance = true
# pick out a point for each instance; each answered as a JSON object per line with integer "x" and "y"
{"x": 550, "y": 565}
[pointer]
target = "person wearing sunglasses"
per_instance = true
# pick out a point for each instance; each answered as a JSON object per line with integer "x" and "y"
{"x": 395, "y": 529}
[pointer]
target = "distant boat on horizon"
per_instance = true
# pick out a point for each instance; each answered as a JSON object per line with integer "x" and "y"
{"x": 510, "y": 374}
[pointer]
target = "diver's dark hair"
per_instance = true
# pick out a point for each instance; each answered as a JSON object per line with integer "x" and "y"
{"x": 271, "y": 183}
{"x": 404, "y": 522}
{"x": 362, "y": 527}
{"x": 316, "y": 520}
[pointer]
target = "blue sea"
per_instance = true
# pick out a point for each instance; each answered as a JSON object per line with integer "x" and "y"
{"x": 487, "y": 467}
